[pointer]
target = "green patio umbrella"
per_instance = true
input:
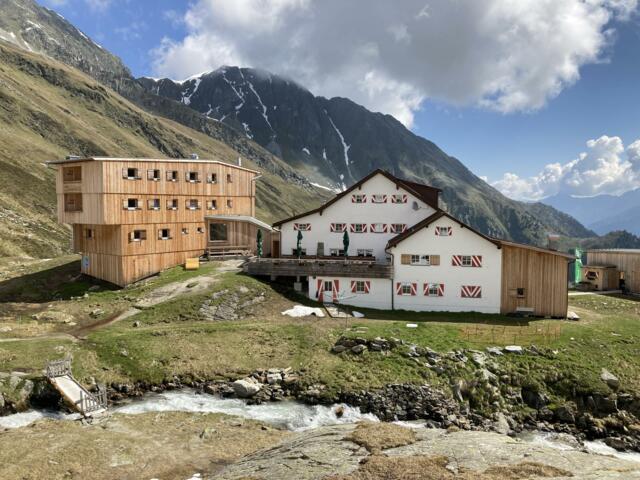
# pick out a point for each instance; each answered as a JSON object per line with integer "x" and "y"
{"x": 299, "y": 245}
{"x": 345, "y": 243}
{"x": 259, "y": 243}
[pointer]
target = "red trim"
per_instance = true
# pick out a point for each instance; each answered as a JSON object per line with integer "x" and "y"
{"x": 471, "y": 291}
{"x": 335, "y": 290}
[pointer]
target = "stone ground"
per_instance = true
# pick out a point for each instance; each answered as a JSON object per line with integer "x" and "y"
{"x": 327, "y": 451}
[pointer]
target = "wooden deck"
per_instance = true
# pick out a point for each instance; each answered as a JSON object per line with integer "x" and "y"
{"x": 328, "y": 266}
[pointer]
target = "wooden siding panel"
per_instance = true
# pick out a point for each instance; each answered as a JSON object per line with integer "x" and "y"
{"x": 627, "y": 262}
{"x": 543, "y": 277}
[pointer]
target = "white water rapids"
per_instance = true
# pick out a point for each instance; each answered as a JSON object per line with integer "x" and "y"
{"x": 290, "y": 415}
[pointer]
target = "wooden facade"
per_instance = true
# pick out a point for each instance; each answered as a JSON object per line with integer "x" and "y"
{"x": 600, "y": 278}
{"x": 132, "y": 218}
{"x": 627, "y": 261}
{"x": 534, "y": 279}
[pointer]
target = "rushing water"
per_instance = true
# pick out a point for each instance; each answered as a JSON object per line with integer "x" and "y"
{"x": 291, "y": 415}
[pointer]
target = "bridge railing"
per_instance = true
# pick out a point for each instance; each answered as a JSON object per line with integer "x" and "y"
{"x": 58, "y": 368}
{"x": 90, "y": 402}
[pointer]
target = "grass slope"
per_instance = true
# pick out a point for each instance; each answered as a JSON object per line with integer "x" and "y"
{"x": 48, "y": 110}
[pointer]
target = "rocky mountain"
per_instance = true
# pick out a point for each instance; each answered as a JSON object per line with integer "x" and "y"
{"x": 335, "y": 141}
{"x": 602, "y": 213}
{"x": 48, "y": 110}
{"x": 264, "y": 117}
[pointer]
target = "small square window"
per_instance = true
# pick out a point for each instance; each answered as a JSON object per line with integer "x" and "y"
{"x": 193, "y": 204}
{"x": 229, "y": 178}
{"x": 132, "y": 204}
{"x": 229, "y": 203}
{"x": 172, "y": 204}
{"x": 406, "y": 289}
{"x": 138, "y": 235}
{"x": 131, "y": 174}
{"x": 466, "y": 261}
{"x": 185, "y": 231}
{"x": 193, "y": 177}
{"x": 520, "y": 292}
{"x": 172, "y": 175}
{"x": 328, "y": 285}
{"x": 212, "y": 178}
{"x": 88, "y": 233}
{"x": 360, "y": 287}
{"x": 154, "y": 204}
{"x": 200, "y": 230}
{"x": 213, "y": 205}
{"x": 164, "y": 234}
{"x": 153, "y": 175}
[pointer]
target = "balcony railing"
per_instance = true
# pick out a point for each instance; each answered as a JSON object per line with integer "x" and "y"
{"x": 359, "y": 267}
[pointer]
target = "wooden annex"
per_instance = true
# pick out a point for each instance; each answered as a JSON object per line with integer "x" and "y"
{"x": 134, "y": 217}
{"x": 626, "y": 261}
{"x": 534, "y": 278}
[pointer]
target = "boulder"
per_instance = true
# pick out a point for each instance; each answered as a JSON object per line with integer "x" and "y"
{"x": 572, "y": 315}
{"x": 610, "y": 379}
{"x": 514, "y": 349}
{"x": 495, "y": 350}
{"x": 358, "y": 349}
{"x": 478, "y": 358}
{"x": 96, "y": 312}
{"x": 274, "y": 378}
{"x": 246, "y": 387}
{"x": 338, "y": 348}
{"x": 565, "y": 414}
{"x": 501, "y": 424}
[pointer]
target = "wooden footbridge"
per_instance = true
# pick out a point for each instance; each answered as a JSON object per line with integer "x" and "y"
{"x": 80, "y": 399}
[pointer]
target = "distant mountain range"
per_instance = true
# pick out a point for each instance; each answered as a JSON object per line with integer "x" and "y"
{"x": 335, "y": 141}
{"x": 602, "y": 213}
{"x": 297, "y": 138}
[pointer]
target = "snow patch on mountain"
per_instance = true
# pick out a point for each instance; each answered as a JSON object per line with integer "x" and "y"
{"x": 345, "y": 146}
{"x": 186, "y": 99}
{"x": 306, "y": 150}
{"x": 264, "y": 108}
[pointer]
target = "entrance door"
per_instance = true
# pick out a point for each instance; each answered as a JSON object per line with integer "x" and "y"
{"x": 275, "y": 252}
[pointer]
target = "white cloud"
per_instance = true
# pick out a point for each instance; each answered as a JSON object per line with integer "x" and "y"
{"x": 98, "y": 5}
{"x": 503, "y": 55}
{"x": 606, "y": 167}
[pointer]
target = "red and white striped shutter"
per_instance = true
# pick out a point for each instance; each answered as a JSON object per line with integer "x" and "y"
{"x": 404, "y": 228}
{"x": 319, "y": 289}
{"x": 425, "y": 289}
{"x": 385, "y": 228}
{"x": 384, "y": 198}
{"x": 456, "y": 260}
{"x": 295, "y": 226}
{"x": 476, "y": 260}
{"x": 352, "y": 227}
{"x": 336, "y": 289}
{"x": 398, "y": 288}
{"x": 308, "y": 227}
{"x": 367, "y": 286}
{"x": 471, "y": 291}
{"x": 365, "y": 228}
{"x": 404, "y": 198}
{"x": 441, "y": 290}
{"x": 333, "y": 227}
{"x": 414, "y": 289}
{"x": 353, "y": 199}
{"x": 353, "y": 286}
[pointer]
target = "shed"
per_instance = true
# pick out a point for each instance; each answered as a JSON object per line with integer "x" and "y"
{"x": 600, "y": 277}
{"x": 626, "y": 260}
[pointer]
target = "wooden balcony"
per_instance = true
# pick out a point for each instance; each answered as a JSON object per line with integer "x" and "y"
{"x": 358, "y": 267}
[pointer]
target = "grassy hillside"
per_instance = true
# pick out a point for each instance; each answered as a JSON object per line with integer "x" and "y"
{"x": 48, "y": 110}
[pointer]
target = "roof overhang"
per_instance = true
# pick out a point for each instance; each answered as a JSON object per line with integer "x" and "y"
{"x": 150, "y": 160}
{"x": 241, "y": 218}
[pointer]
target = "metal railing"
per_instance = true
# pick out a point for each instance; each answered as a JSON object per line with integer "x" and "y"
{"x": 58, "y": 368}
{"x": 90, "y": 402}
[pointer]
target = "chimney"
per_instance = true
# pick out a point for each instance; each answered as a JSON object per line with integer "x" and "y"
{"x": 194, "y": 156}
{"x": 553, "y": 241}
{"x": 239, "y": 161}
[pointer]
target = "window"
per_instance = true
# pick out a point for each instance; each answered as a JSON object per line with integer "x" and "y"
{"x": 192, "y": 177}
{"x": 365, "y": 252}
{"x": 434, "y": 289}
{"x": 193, "y": 204}
{"x": 153, "y": 204}
{"x": 130, "y": 174}
{"x": 185, "y": 231}
{"x": 466, "y": 260}
{"x": 88, "y": 233}
{"x": 200, "y": 230}
{"x": 212, "y": 178}
{"x": 153, "y": 175}
{"x": 378, "y": 198}
{"x": 398, "y": 227}
{"x": 172, "y": 175}
{"x": 358, "y": 228}
{"x": 218, "y": 232}
{"x": 72, "y": 202}
{"x": 336, "y": 252}
{"x": 421, "y": 260}
{"x": 172, "y": 204}
{"x": 379, "y": 228}
{"x": 229, "y": 203}
{"x": 138, "y": 235}
{"x": 294, "y": 251}
{"x": 164, "y": 234}
{"x": 359, "y": 198}
{"x": 72, "y": 174}
{"x": 444, "y": 231}
{"x": 328, "y": 286}
{"x": 229, "y": 178}
{"x": 212, "y": 205}
{"x": 406, "y": 288}
{"x": 338, "y": 227}
{"x": 360, "y": 286}
{"x": 520, "y": 292}
{"x": 398, "y": 198}
{"x": 131, "y": 204}
{"x": 471, "y": 291}
{"x": 303, "y": 227}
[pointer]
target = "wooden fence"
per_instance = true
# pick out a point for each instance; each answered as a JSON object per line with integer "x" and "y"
{"x": 512, "y": 334}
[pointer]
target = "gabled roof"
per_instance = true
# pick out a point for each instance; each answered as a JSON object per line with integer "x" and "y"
{"x": 496, "y": 241}
{"x": 428, "y": 221}
{"x": 426, "y": 193}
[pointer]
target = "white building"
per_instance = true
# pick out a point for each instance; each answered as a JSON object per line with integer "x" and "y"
{"x": 406, "y": 253}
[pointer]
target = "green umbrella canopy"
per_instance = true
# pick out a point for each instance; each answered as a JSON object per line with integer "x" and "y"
{"x": 259, "y": 243}
{"x": 345, "y": 243}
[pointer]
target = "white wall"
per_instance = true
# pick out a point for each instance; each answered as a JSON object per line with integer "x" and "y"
{"x": 379, "y": 295}
{"x": 344, "y": 211}
{"x": 462, "y": 242}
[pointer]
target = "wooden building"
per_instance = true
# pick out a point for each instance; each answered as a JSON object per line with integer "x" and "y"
{"x": 134, "y": 217}
{"x": 626, "y": 261}
{"x": 600, "y": 277}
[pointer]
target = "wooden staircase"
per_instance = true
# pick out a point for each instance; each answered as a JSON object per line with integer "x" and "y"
{"x": 58, "y": 372}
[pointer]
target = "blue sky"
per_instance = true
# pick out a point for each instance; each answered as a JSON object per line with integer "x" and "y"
{"x": 521, "y": 127}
